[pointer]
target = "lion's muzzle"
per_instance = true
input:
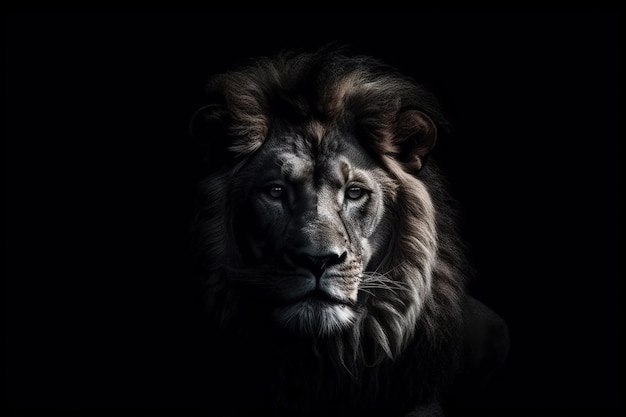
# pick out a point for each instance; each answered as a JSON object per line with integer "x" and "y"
{"x": 318, "y": 262}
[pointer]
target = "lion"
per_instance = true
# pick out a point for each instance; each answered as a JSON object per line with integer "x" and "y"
{"x": 334, "y": 273}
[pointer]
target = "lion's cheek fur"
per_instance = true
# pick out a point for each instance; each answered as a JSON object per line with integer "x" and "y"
{"x": 366, "y": 251}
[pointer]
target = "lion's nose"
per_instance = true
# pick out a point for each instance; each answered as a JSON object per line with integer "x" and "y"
{"x": 318, "y": 263}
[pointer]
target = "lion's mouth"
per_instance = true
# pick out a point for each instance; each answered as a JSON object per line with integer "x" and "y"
{"x": 320, "y": 296}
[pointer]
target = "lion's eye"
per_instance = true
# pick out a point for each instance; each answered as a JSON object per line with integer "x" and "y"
{"x": 275, "y": 191}
{"x": 354, "y": 193}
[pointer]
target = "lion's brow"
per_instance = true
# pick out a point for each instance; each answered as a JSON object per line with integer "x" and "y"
{"x": 294, "y": 167}
{"x": 345, "y": 169}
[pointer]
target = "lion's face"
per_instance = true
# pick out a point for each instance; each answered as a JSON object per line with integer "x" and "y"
{"x": 309, "y": 226}
{"x": 318, "y": 216}
{"x": 316, "y": 213}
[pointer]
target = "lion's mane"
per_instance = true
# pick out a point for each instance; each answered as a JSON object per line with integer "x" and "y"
{"x": 404, "y": 346}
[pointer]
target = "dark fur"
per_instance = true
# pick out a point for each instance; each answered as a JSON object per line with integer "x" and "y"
{"x": 401, "y": 355}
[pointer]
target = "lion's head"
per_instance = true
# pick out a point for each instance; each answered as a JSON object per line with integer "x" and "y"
{"x": 319, "y": 217}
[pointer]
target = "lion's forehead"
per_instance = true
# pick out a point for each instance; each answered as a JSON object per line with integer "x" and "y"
{"x": 336, "y": 169}
{"x": 295, "y": 166}
{"x": 336, "y": 157}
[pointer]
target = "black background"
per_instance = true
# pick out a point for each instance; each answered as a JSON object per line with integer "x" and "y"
{"x": 100, "y": 303}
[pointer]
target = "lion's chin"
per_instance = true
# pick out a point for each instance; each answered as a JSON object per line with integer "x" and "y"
{"x": 315, "y": 317}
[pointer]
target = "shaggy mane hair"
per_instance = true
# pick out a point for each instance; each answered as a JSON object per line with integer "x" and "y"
{"x": 403, "y": 349}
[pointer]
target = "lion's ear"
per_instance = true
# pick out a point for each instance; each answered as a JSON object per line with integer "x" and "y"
{"x": 415, "y": 135}
{"x": 208, "y": 127}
